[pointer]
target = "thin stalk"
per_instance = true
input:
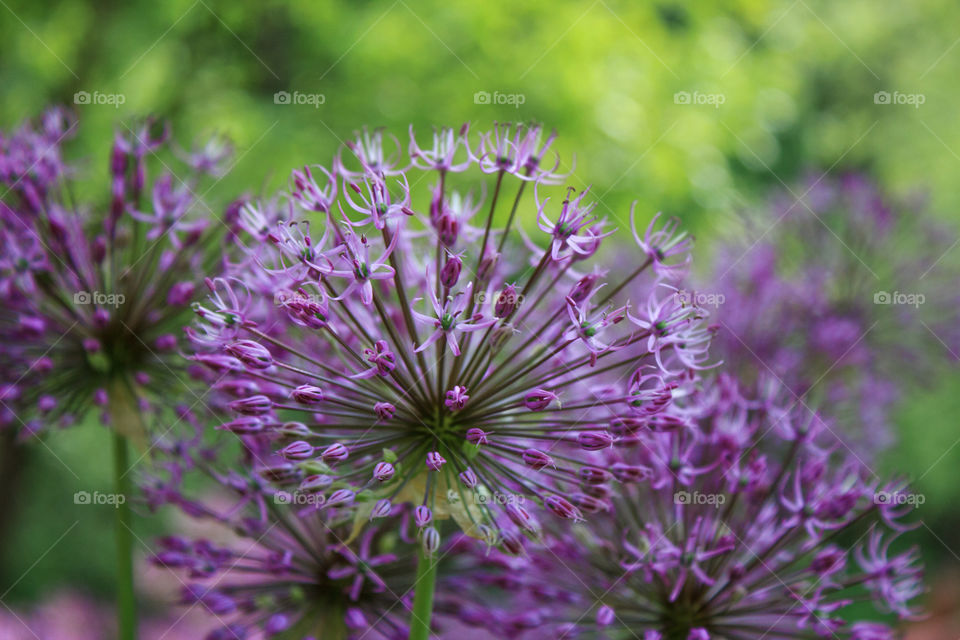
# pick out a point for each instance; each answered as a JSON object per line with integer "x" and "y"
{"x": 126, "y": 599}
{"x": 423, "y": 598}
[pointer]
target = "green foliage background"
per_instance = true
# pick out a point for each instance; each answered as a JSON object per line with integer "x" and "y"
{"x": 798, "y": 78}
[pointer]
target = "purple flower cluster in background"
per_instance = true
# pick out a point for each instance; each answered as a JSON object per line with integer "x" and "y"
{"x": 841, "y": 294}
{"x": 95, "y": 296}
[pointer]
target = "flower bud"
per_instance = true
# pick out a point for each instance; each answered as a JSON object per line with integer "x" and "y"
{"x": 522, "y": 518}
{"x": 562, "y": 508}
{"x": 448, "y": 228}
{"x": 469, "y": 478}
{"x": 456, "y": 398}
{"x": 334, "y": 453}
{"x": 181, "y": 294}
{"x": 435, "y": 461}
{"x": 307, "y": 394}
{"x": 477, "y": 436}
{"x": 315, "y": 482}
{"x": 430, "y": 540}
{"x": 537, "y": 459}
{"x": 506, "y": 302}
{"x": 582, "y": 289}
{"x": 594, "y": 440}
{"x": 593, "y": 475}
{"x": 422, "y": 516}
{"x": 538, "y": 399}
{"x": 629, "y": 473}
{"x": 384, "y": 410}
{"x": 298, "y": 450}
{"x": 383, "y": 471}
{"x": 341, "y": 496}
{"x": 605, "y": 616}
{"x": 511, "y": 542}
{"x": 589, "y": 504}
{"x": 244, "y": 425}
{"x": 381, "y": 509}
{"x": 450, "y": 273}
{"x": 487, "y": 265}
{"x": 253, "y": 354}
{"x": 252, "y": 406}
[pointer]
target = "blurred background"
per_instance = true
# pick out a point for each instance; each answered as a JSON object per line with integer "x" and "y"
{"x": 695, "y": 109}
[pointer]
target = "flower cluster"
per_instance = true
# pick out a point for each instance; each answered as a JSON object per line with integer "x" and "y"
{"x": 280, "y": 555}
{"x": 722, "y": 517}
{"x": 841, "y": 290}
{"x": 419, "y": 359}
{"x": 94, "y": 295}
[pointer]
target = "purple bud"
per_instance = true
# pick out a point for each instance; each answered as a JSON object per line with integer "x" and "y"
{"x": 582, "y": 289}
{"x": 252, "y": 406}
{"x": 456, "y": 398}
{"x": 100, "y": 397}
{"x": 46, "y": 403}
{"x": 244, "y": 425}
{"x": 589, "y": 504}
{"x": 355, "y": 619}
{"x": 180, "y": 294}
{"x": 307, "y": 394}
{"x": 605, "y": 616}
{"x": 253, "y": 354}
{"x": 593, "y": 475}
{"x": 538, "y": 399}
{"x": 422, "y": 516}
{"x": 537, "y": 459}
{"x": 91, "y": 345}
{"x": 277, "y": 623}
{"x": 384, "y": 410}
{"x": 469, "y": 478}
{"x": 448, "y": 228}
{"x": 315, "y": 483}
{"x": 487, "y": 265}
{"x": 381, "y": 509}
{"x": 450, "y": 273}
{"x": 334, "y": 453}
{"x": 435, "y": 461}
{"x": 166, "y": 342}
{"x": 430, "y": 540}
{"x": 298, "y": 450}
{"x": 506, "y": 302}
{"x": 477, "y": 436}
{"x": 341, "y": 496}
{"x": 383, "y": 471}
{"x": 522, "y": 518}
{"x": 594, "y": 440}
{"x": 512, "y": 543}
{"x": 629, "y": 473}
{"x": 562, "y": 508}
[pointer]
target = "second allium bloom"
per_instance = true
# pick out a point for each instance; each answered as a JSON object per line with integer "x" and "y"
{"x": 387, "y": 342}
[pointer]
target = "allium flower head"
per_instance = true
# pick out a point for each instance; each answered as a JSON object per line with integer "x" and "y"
{"x": 94, "y": 294}
{"x": 723, "y": 523}
{"x": 281, "y": 556}
{"x": 835, "y": 289}
{"x": 453, "y": 366}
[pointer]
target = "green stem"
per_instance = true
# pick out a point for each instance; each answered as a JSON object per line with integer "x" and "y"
{"x": 423, "y": 598}
{"x": 126, "y": 602}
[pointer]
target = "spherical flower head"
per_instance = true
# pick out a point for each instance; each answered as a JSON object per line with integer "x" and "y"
{"x": 783, "y": 314}
{"x": 732, "y": 524}
{"x": 406, "y": 337}
{"x": 95, "y": 292}
{"x": 292, "y": 563}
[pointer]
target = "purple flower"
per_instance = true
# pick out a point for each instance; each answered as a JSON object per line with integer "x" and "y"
{"x": 381, "y": 334}
{"x": 93, "y": 292}
{"x": 722, "y": 533}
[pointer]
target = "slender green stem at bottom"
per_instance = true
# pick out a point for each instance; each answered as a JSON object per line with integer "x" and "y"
{"x": 423, "y": 596}
{"x": 126, "y": 602}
